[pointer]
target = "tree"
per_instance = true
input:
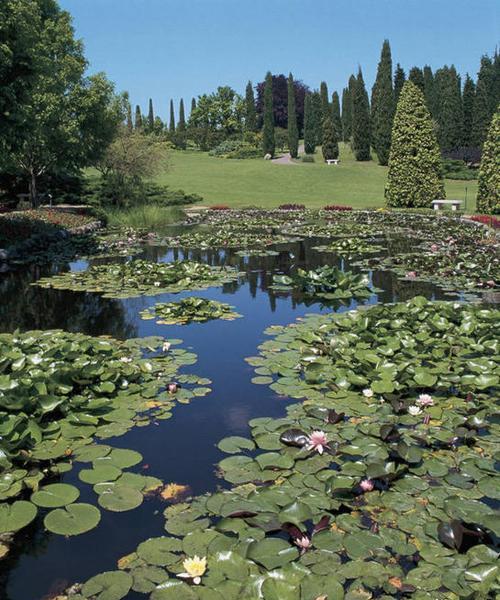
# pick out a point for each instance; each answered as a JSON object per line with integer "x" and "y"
{"x": 485, "y": 101}
{"x": 62, "y": 121}
{"x": 383, "y": 106}
{"x": 346, "y": 115}
{"x": 171, "y": 124}
{"x": 330, "y": 145}
{"x": 468, "y": 98}
{"x": 309, "y": 131}
{"x": 217, "y": 116}
{"x": 416, "y": 76}
{"x": 193, "y": 104}
{"x": 361, "y": 137}
{"x": 138, "y": 118}
{"x": 414, "y": 178}
{"x": 127, "y": 162}
{"x": 268, "y": 145}
{"x": 250, "y": 111}
{"x": 488, "y": 191}
{"x": 335, "y": 114}
{"x": 449, "y": 112}
{"x": 151, "y": 117}
{"x": 280, "y": 101}
{"x": 317, "y": 111}
{"x": 130, "y": 124}
{"x": 399, "y": 81}
{"x": 429, "y": 91}
{"x": 181, "y": 126}
{"x": 293, "y": 132}
{"x": 325, "y": 104}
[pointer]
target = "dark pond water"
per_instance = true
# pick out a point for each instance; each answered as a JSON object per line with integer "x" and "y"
{"x": 182, "y": 449}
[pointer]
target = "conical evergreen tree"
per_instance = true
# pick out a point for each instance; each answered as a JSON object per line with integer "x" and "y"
{"x": 449, "y": 113}
{"x": 151, "y": 117}
{"x": 383, "y": 106}
{"x": 399, "y": 81}
{"x": 325, "y": 104}
{"x": 309, "y": 130}
{"x": 130, "y": 124}
{"x": 468, "y": 98}
{"x": 414, "y": 178}
{"x": 488, "y": 191}
{"x": 293, "y": 131}
{"x": 484, "y": 101}
{"x": 268, "y": 143}
{"x": 346, "y": 114}
{"x": 193, "y": 104}
{"x": 317, "y": 111}
{"x": 250, "y": 111}
{"x": 329, "y": 145}
{"x": 361, "y": 137}
{"x": 138, "y": 117}
{"x": 335, "y": 113}
{"x": 416, "y": 76}
{"x": 171, "y": 124}
{"x": 429, "y": 91}
{"x": 496, "y": 79}
{"x": 181, "y": 125}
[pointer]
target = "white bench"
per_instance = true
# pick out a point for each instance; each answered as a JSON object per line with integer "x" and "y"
{"x": 438, "y": 204}
{"x": 332, "y": 161}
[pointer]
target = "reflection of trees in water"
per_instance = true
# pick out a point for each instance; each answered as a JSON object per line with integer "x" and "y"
{"x": 397, "y": 289}
{"x": 24, "y": 306}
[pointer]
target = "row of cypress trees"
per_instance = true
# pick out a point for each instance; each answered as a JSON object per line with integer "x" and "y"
{"x": 150, "y": 123}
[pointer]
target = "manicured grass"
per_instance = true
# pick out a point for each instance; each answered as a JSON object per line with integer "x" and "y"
{"x": 261, "y": 183}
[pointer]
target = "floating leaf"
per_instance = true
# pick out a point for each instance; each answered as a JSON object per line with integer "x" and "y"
{"x": 73, "y": 519}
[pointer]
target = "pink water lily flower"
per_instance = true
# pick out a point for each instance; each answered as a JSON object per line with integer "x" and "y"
{"x": 434, "y": 247}
{"x": 425, "y": 400}
{"x": 172, "y": 387}
{"x": 411, "y": 274}
{"x": 318, "y": 441}
{"x": 304, "y": 543}
{"x": 367, "y": 485}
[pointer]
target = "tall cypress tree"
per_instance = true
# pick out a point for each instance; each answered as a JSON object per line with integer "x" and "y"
{"x": 429, "y": 91}
{"x": 383, "y": 106}
{"x": 329, "y": 144}
{"x": 484, "y": 104}
{"x": 468, "y": 97}
{"x": 250, "y": 111}
{"x": 399, "y": 81}
{"x": 346, "y": 115}
{"x": 268, "y": 143}
{"x": 317, "y": 111}
{"x": 416, "y": 76}
{"x": 151, "y": 117}
{"x": 488, "y": 191}
{"x": 181, "y": 125}
{"x": 130, "y": 124}
{"x": 171, "y": 125}
{"x": 138, "y": 117}
{"x": 449, "y": 113}
{"x": 293, "y": 131}
{"x": 325, "y": 104}
{"x": 414, "y": 178}
{"x": 309, "y": 130}
{"x": 335, "y": 112}
{"x": 361, "y": 138}
{"x": 193, "y": 104}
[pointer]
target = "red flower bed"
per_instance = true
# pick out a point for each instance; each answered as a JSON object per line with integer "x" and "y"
{"x": 489, "y": 220}
{"x": 219, "y": 207}
{"x": 339, "y": 207}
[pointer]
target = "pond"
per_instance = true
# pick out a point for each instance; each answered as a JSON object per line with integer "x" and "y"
{"x": 181, "y": 449}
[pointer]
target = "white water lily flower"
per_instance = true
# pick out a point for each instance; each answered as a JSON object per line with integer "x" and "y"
{"x": 125, "y": 359}
{"x": 156, "y": 284}
{"x": 414, "y": 410}
{"x": 195, "y": 568}
{"x": 166, "y": 346}
{"x": 368, "y": 393}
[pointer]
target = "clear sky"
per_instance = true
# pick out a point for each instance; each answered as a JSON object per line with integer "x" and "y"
{"x": 182, "y": 48}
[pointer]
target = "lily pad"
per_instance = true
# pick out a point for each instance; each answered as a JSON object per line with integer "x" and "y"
{"x": 73, "y": 519}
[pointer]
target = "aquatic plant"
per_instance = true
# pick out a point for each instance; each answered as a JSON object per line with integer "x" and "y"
{"x": 189, "y": 310}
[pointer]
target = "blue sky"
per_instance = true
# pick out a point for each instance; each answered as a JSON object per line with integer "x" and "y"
{"x": 182, "y": 48}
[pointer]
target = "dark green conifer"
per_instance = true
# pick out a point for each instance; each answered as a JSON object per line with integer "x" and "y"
{"x": 138, "y": 118}
{"x": 193, "y": 104}
{"x": 181, "y": 126}
{"x": 293, "y": 131}
{"x": 151, "y": 117}
{"x": 416, "y": 76}
{"x": 317, "y": 111}
{"x": 171, "y": 125}
{"x": 309, "y": 131}
{"x": 488, "y": 191}
{"x": 399, "y": 81}
{"x": 468, "y": 98}
{"x": 329, "y": 144}
{"x": 346, "y": 114}
{"x": 382, "y": 107}
{"x": 268, "y": 143}
{"x": 485, "y": 101}
{"x": 361, "y": 135}
{"x": 325, "y": 104}
{"x": 250, "y": 111}
{"x": 429, "y": 91}
{"x": 335, "y": 113}
{"x": 449, "y": 116}
{"x": 130, "y": 124}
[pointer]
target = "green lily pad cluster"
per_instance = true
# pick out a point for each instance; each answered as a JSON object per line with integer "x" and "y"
{"x": 189, "y": 310}
{"x": 141, "y": 278}
{"x": 227, "y": 236}
{"x": 325, "y": 283}
{"x": 59, "y": 393}
{"x": 349, "y": 246}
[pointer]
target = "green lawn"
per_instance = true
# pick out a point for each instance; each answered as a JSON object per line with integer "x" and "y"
{"x": 261, "y": 183}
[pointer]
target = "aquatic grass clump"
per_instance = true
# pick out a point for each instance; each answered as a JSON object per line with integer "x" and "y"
{"x": 144, "y": 216}
{"x": 141, "y": 278}
{"x": 189, "y": 310}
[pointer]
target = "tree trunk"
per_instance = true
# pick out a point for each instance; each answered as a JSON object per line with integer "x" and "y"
{"x": 33, "y": 194}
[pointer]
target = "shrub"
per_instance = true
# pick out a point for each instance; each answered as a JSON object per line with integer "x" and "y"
{"x": 291, "y": 207}
{"x": 456, "y": 169}
{"x": 337, "y": 207}
{"x": 488, "y": 190}
{"x": 164, "y": 196}
{"x": 281, "y": 138}
{"x": 235, "y": 149}
{"x": 308, "y": 158}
